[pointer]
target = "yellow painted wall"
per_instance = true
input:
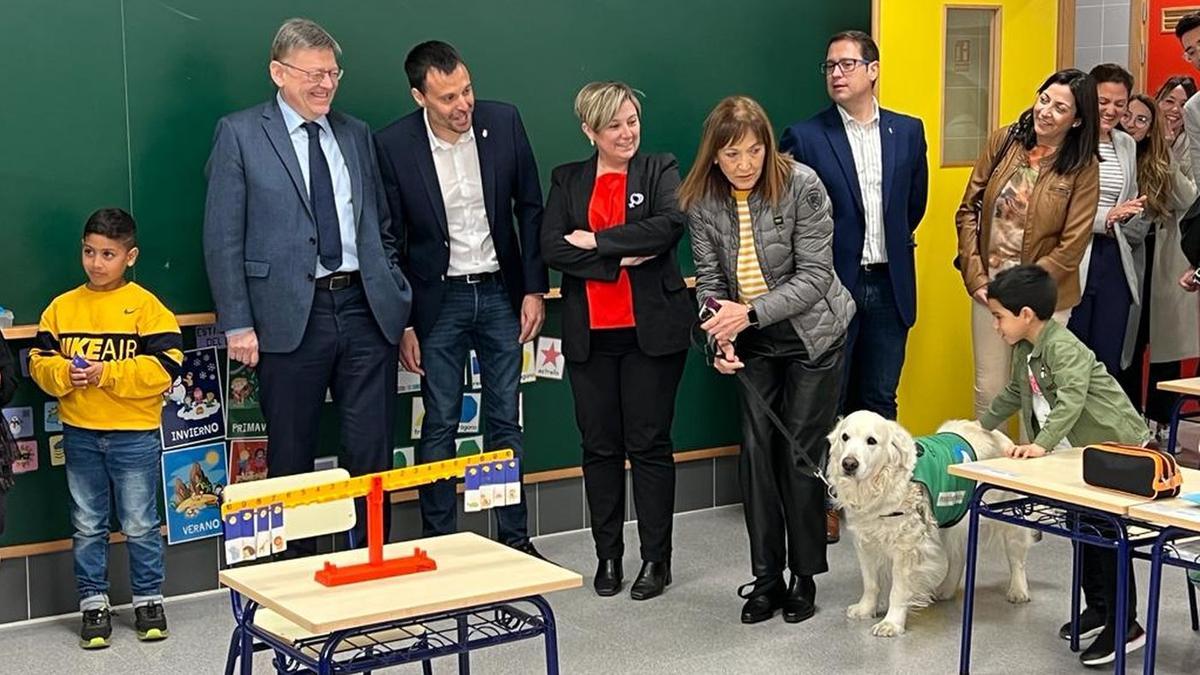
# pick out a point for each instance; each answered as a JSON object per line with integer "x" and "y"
{"x": 937, "y": 383}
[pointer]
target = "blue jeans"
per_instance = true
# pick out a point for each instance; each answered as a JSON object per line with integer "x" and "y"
{"x": 480, "y": 317}
{"x": 120, "y": 468}
{"x": 875, "y": 343}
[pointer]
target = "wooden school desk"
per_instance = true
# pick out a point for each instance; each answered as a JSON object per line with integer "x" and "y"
{"x": 1188, "y": 390}
{"x": 468, "y": 602}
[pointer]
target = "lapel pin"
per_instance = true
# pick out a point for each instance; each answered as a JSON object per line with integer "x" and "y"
{"x": 636, "y": 199}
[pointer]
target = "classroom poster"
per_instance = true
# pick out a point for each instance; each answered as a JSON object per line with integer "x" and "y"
{"x": 27, "y": 457}
{"x": 19, "y": 421}
{"x": 193, "y": 411}
{"x": 418, "y": 416}
{"x": 468, "y": 416}
{"x": 474, "y": 377}
{"x": 406, "y": 382}
{"x": 550, "y": 360}
{"x": 50, "y": 416}
{"x": 528, "y": 363}
{"x": 402, "y": 458}
{"x": 247, "y": 459}
{"x": 209, "y": 336}
{"x": 192, "y": 477}
{"x": 58, "y": 454}
{"x": 471, "y": 445}
{"x": 245, "y": 417}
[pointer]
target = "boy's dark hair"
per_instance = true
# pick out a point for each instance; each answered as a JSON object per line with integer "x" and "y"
{"x": 431, "y": 54}
{"x": 1025, "y": 286}
{"x": 1187, "y": 23}
{"x": 1112, "y": 72}
{"x": 113, "y": 223}
{"x": 866, "y": 44}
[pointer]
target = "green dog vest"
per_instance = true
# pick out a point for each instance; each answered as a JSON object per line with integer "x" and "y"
{"x": 948, "y": 495}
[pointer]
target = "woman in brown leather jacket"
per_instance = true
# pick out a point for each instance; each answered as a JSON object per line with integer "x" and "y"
{"x": 1031, "y": 199}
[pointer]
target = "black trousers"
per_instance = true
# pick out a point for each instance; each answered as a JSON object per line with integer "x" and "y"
{"x": 342, "y": 350}
{"x": 1099, "y": 584}
{"x": 624, "y": 405}
{"x": 784, "y": 506}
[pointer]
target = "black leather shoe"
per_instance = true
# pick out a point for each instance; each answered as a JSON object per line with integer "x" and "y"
{"x": 763, "y": 597}
{"x": 799, "y": 603}
{"x": 608, "y": 577}
{"x": 651, "y": 580}
{"x": 529, "y": 549}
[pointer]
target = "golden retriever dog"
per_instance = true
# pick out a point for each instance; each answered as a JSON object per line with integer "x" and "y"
{"x": 896, "y": 536}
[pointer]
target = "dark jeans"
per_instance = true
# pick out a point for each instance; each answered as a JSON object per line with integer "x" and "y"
{"x": 480, "y": 317}
{"x": 1100, "y": 318}
{"x": 624, "y": 404}
{"x": 120, "y": 469}
{"x": 875, "y": 343}
{"x": 784, "y": 506}
{"x": 342, "y": 350}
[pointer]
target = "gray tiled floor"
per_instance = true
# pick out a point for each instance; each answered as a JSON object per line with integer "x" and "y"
{"x": 692, "y": 629}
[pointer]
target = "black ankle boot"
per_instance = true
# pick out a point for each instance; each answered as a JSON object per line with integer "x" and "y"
{"x": 608, "y": 577}
{"x": 801, "y": 595}
{"x": 763, "y": 597}
{"x": 651, "y": 580}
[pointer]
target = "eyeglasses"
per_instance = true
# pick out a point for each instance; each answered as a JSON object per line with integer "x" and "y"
{"x": 847, "y": 65}
{"x": 316, "y": 76}
{"x": 1136, "y": 120}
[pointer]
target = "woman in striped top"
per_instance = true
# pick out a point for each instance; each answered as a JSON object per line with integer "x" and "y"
{"x": 1111, "y": 269}
{"x": 762, "y": 239}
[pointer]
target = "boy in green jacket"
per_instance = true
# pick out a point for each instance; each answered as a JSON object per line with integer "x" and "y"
{"x": 1066, "y": 399}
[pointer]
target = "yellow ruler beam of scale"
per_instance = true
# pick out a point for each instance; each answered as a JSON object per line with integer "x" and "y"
{"x": 396, "y": 479}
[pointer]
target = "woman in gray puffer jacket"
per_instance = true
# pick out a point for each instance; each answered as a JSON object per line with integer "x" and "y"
{"x": 762, "y": 241}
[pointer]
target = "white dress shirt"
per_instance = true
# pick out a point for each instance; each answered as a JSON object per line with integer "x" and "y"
{"x": 342, "y": 192}
{"x": 471, "y": 247}
{"x": 865, "y": 147}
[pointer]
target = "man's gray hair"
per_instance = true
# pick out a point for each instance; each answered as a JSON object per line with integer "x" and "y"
{"x": 299, "y": 33}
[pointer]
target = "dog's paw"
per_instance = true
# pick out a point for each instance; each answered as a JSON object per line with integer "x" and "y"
{"x": 1017, "y": 596}
{"x": 861, "y": 611}
{"x": 886, "y": 628}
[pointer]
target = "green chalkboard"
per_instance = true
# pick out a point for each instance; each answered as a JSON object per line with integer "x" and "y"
{"x": 113, "y": 102}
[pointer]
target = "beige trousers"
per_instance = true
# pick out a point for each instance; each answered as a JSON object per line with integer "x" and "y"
{"x": 993, "y": 357}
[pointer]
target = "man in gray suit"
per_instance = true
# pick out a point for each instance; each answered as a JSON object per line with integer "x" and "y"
{"x": 302, "y": 263}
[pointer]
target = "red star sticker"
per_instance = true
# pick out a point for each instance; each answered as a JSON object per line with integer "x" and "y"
{"x": 551, "y": 354}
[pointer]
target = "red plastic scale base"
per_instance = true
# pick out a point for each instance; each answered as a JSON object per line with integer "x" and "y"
{"x": 332, "y": 575}
{"x": 375, "y": 567}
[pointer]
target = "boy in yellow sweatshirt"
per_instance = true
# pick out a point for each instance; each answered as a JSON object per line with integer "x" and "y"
{"x": 108, "y": 350}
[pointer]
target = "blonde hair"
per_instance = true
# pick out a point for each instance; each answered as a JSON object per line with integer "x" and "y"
{"x": 728, "y": 123}
{"x": 1154, "y": 161}
{"x": 598, "y": 102}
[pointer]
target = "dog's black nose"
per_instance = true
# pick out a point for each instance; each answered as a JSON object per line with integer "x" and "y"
{"x": 849, "y": 465}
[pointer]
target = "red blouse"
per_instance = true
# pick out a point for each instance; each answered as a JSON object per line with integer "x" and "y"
{"x": 610, "y": 303}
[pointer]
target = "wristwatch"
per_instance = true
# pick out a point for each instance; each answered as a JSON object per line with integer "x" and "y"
{"x": 752, "y": 316}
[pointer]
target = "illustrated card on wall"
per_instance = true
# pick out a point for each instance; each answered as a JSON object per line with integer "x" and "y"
{"x": 475, "y": 375}
{"x": 209, "y": 336}
{"x": 193, "y": 410}
{"x": 406, "y": 382}
{"x": 521, "y": 409}
{"x": 245, "y": 414}
{"x": 50, "y": 416}
{"x": 550, "y": 360}
{"x": 528, "y": 362}
{"x": 402, "y": 458}
{"x": 192, "y": 479}
{"x": 418, "y": 416}
{"x": 58, "y": 455}
{"x": 27, "y": 457}
{"x": 471, "y": 445}
{"x": 19, "y": 421}
{"x": 247, "y": 459}
{"x": 468, "y": 418}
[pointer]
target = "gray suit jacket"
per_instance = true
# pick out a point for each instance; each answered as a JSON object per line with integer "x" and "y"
{"x": 260, "y": 235}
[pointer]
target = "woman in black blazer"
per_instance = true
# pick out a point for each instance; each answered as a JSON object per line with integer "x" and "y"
{"x": 611, "y": 226}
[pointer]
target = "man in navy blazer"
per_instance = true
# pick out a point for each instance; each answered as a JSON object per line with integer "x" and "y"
{"x": 302, "y": 263}
{"x": 873, "y": 164}
{"x": 458, "y": 172}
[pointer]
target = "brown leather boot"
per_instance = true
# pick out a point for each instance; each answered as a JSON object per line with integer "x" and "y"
{"x": 833, "y": 527}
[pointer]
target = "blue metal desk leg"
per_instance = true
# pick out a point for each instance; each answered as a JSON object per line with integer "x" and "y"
{"x": 1191, "y": 591}
{"x": 1123, "y": 568}
{"x": 247, "y": 665}
{"x": 550, "y": 635}
{"x": 1152, "y": 604}
{"x": 1076, "y": 577}
{"x": 464, "y": 657}
{"x": 964, "y": 659}
{"x": 1176, "y": 411}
